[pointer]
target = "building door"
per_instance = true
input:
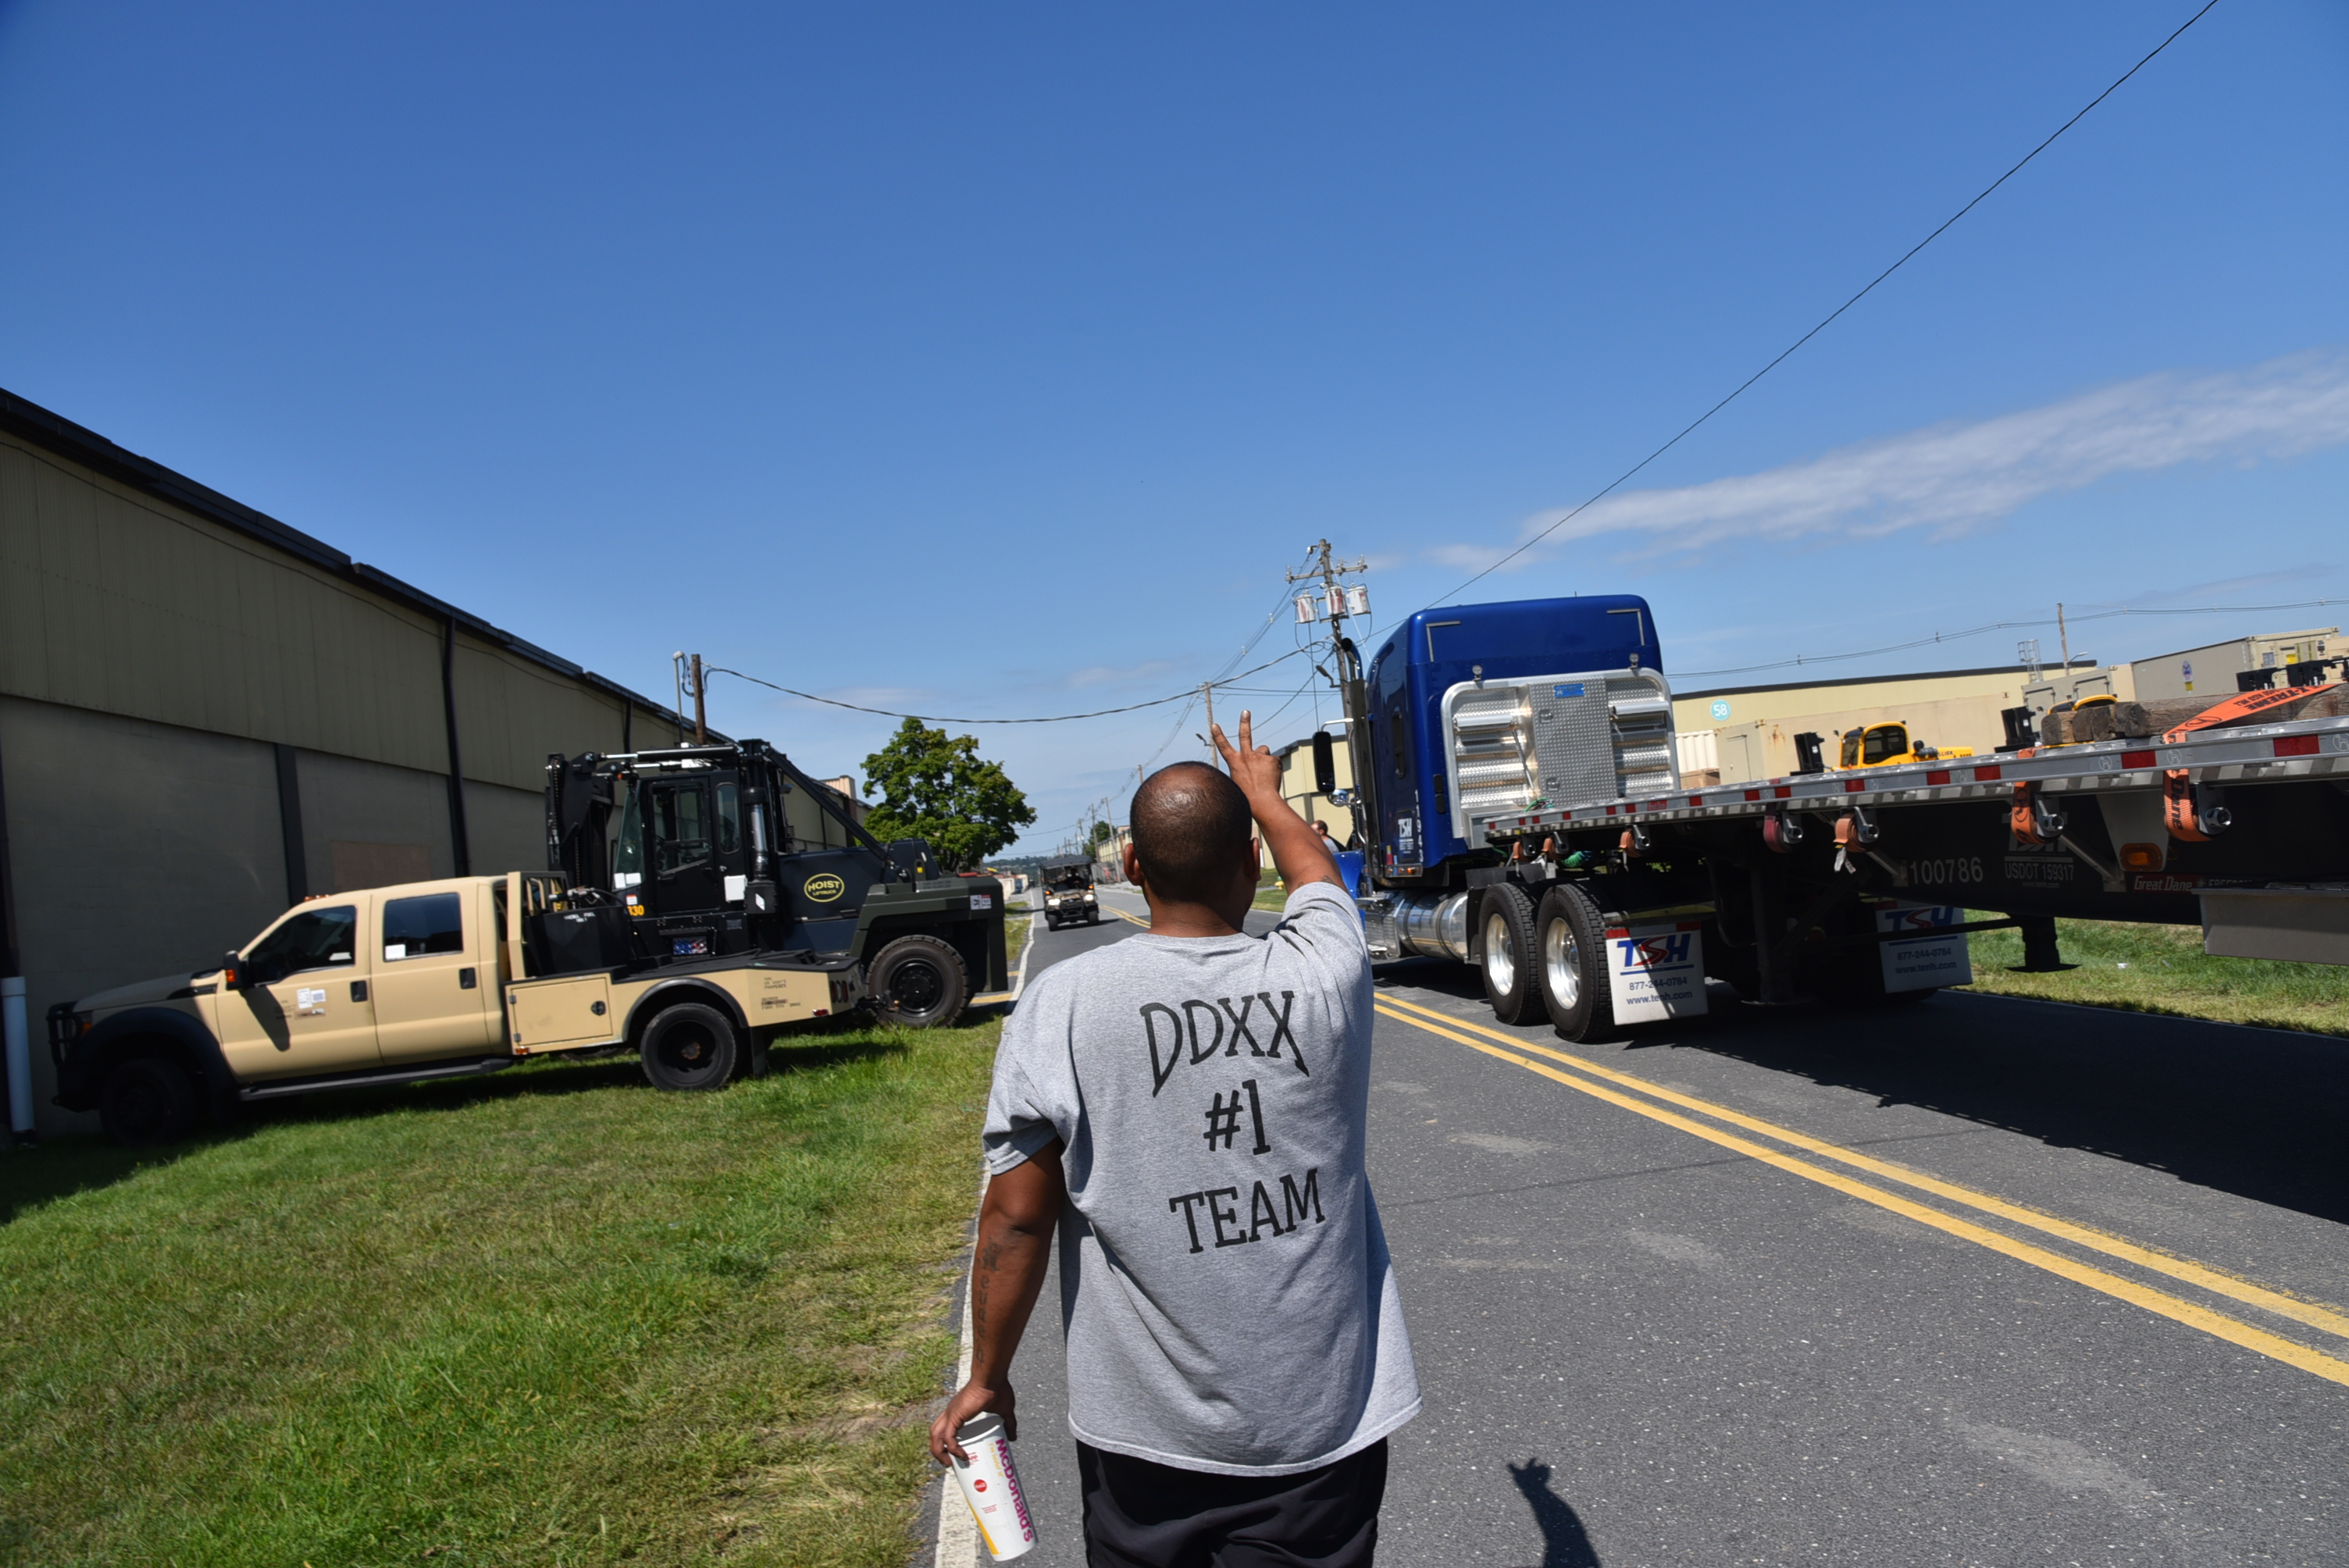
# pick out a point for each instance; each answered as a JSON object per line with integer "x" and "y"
{"x": 431, "y": 955}
{"x": 306, "y": 1007}
{"x": 678, "y": 819}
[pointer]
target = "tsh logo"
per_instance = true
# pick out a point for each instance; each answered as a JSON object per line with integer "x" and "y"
{"x": 1667, "y": 951}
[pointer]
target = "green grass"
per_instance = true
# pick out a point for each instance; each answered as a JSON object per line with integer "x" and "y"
{"x": 550, "y": 1318}
{"x": 2163, "y": 969}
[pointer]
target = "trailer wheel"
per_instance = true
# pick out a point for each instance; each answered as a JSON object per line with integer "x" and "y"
{"x": 1508, "y": 916}
{"x": 918, "y": 983}
{"x": 147, "y": 1099}
{"x": 690, "y": 1047}
{"x": 1570, "y": 940}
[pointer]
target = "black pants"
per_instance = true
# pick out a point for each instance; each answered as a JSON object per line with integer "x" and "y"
{"x": 1143, "y": 1515}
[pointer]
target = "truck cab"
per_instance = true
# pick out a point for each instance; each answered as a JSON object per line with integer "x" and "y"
{"x": 1069, "y": 896}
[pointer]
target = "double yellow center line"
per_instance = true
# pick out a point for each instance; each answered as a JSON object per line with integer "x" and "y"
{"x": 1604, "y": 1083}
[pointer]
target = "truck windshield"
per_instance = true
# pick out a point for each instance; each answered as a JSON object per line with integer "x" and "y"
{"x": 1890, "y": 740}
{"x": 628, "y": 857}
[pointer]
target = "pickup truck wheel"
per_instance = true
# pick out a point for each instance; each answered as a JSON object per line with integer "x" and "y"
{"x": 918, "y": 983}
{"x": 1509, "y": 918}
{"x": 147, "y": 1099}
{"x": 690, "y": 1047}
{"x": 1570, "y": 946}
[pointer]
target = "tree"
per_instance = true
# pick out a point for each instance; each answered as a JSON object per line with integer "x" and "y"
{"x": 1103, "y": 834}
{"x": 937, "y": 787}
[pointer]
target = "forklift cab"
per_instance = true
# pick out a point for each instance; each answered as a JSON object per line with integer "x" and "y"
{"x": 1881, "y": 744}
{"x": 703, "y": 857}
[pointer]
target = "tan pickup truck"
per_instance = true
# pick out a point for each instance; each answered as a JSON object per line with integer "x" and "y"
{"x": 424, "y": 980}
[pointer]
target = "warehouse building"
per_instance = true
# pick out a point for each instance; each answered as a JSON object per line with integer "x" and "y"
{"x": 206, "y": 715}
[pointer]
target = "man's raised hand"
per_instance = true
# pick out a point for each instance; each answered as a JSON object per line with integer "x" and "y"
{"x": 1252, "y": 767}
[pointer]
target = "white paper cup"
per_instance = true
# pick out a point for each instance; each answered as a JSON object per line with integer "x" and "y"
{"x": 991, "y": 1486}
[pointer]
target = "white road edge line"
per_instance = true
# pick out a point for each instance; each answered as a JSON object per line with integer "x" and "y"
{"x": 958, "y": 1531}
{"x": 1019, "y": 980}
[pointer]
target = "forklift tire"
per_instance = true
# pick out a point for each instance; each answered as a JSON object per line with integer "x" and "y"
{"x": 147, "y": 1100}
{"x": 1509, "y": 967}
{"x": 1571, "y": 965}
{"x": 690, "y": 1047}
{"x": 918, "y": 983}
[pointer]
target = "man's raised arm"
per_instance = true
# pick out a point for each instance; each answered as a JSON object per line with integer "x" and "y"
{"x": 1298, "y": 852}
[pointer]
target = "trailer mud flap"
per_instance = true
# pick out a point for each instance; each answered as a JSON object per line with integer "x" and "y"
{"x": 1656, "y": 971}
{"x": 1922, "y": 962}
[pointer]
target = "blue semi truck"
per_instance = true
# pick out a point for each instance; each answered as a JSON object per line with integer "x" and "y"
{"x": 1519, "y": 807}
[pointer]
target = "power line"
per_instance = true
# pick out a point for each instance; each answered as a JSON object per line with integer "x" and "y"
{"x": 1625, "y": 476}
{"x": 935, "y": 718}
{"x": 1803, "y": 659}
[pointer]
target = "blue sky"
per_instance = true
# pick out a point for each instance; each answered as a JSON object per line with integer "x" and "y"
{"x": 997, "y": 361}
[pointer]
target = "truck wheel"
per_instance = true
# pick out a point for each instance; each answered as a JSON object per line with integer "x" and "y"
{"x": 690, "y": 1047}
{"x": 1508, "y": 916}
{"x": 1570, "y": 940}
{"x": 918, "y": 983}
{"x": 147, "y": 1099}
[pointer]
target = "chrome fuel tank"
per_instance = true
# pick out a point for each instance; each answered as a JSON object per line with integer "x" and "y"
{"x": 1433, "y": 925}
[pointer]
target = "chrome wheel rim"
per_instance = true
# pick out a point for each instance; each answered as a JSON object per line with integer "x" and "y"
{"x": 1562, "y": 962}
{"x": 1500, "y": 955}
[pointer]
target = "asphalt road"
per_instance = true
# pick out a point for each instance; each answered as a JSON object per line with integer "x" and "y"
{"x": 1981, "y": 1280}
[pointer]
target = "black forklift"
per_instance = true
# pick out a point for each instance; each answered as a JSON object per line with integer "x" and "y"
{"x": 684, "y": 855}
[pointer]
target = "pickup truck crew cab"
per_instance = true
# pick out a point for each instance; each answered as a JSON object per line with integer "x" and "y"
{"x": 720, "y": 930}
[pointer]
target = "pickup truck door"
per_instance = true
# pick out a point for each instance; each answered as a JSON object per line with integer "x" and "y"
{"x": 304, "y": 1008}
{"x": 435, "y": 976}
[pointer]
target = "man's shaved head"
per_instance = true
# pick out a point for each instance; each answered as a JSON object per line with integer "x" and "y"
{"x": 1191, "y": 827}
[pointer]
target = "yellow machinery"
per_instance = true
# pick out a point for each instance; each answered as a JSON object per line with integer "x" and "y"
{"x": 1882, "y": 745}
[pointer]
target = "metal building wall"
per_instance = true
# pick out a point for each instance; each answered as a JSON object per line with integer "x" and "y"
{"x": 205, "y": 714}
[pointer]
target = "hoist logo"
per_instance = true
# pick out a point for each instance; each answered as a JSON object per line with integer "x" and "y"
{"x": 823, "y": 888}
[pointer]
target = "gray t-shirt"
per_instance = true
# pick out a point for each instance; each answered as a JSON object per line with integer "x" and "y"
{"x": 1225, "y": 1284}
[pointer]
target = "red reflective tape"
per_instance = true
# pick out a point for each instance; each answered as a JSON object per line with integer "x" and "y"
{"x": 1783, "y": 792}
{"x": 2137, "y": 758}
{"x": 1619, "y": 931}
{"x": 1696, "y": 800}
{"x": 2295, "y": 746}
{"x": 1753, "y": 794}
{"x": 1985, "y": 775}
{"x": 1941, "y": 777}
{"x": 1659, "y": 805}
{"x": 1852, "y": 786}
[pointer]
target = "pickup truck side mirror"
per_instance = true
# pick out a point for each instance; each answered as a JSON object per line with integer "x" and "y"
{"x": 231, "y": 972}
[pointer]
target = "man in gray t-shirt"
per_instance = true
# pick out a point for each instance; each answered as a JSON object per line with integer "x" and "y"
{"x": 1186, "y": 1108}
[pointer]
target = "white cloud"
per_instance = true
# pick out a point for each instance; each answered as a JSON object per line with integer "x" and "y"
{"x": 1953, "y": 477}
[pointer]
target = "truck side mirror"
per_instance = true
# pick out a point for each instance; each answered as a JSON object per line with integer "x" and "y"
{"x": 1325, "y": 764}
{"x": 231, "y": 972}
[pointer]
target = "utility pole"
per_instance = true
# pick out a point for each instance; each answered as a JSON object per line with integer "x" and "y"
{"x": 2064, "y": 637}
{"x": 1207, "y": 690}
{"x": 700, "y": 721}
{"x": 1338, "y": 602}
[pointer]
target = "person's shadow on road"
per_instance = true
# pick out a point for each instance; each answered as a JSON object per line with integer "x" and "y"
{"x": 1565, "y": 1543}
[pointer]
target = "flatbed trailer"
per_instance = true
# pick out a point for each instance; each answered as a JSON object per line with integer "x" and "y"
{"x": 1614, "y": 905}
